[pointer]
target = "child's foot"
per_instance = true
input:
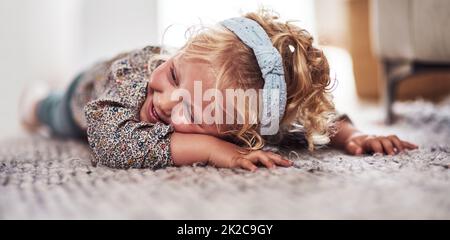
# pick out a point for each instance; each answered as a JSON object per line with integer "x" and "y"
{"x": 30, "y": 98}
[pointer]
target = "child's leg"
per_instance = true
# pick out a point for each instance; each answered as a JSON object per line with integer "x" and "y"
{"x": 55, "y": 112}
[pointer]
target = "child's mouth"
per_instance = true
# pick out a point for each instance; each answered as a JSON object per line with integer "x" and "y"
{"x": 153, "y": 113}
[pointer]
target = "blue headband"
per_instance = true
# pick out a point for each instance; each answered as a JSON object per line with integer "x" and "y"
{"x": 269, "y": 61}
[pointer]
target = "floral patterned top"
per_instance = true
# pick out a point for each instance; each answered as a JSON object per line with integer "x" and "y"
{"x": 107, "y": 103}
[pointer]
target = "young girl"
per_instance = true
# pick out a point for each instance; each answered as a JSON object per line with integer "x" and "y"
{"x": 126, "y": 106}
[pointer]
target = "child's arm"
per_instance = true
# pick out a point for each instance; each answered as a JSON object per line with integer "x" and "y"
{"x": 187, "y": 149}
{"x": 350, "y": 139}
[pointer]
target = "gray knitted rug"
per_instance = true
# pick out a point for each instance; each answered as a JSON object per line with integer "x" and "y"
{"x": 42, "y": 178}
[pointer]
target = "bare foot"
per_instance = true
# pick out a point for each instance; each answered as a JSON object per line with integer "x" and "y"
{"x": 29, "y": 101}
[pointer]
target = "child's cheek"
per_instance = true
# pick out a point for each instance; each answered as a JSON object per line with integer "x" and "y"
{"x": 154, "y": 75}
{"x": 158, "y": 73}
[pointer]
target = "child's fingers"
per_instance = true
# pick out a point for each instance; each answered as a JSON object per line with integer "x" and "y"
{"x": 279, "y": 160}
{"x": 261, "y": 157}
{"x": 409, "y": 145}
{"x": 266, "y": 161}
{"x": 387, "y": 145}
{"x": 247, "y": 164}
{"x": 397, "y": 143}
{"x": 374, "y": 146}
{"x": 353, "y": 148}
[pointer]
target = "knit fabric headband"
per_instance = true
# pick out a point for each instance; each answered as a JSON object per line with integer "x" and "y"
{"x": 270, "y": 63}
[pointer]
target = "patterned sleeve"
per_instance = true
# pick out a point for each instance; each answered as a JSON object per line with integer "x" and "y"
{"x": 115, "y": 134}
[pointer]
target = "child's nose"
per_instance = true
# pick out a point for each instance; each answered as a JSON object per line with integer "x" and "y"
{"x": 166, "y": 104}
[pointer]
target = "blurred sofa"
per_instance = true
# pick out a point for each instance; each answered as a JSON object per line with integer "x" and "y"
{"x": 409, "y": 37}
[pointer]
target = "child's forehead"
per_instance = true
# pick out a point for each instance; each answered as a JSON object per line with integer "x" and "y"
{"x": 182, "y": 58}
{"x": 194, "y": 70}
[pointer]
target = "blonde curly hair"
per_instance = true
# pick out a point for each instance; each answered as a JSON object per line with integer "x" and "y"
{"x": 309, "y": 107}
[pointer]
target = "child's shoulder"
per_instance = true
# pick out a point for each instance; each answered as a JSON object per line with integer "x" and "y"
{"x": 135, "y": 59}
{"x": 146, "y": 58}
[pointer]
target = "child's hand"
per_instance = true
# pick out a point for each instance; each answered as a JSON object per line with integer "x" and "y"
{"x": 227, "y": 155}
{"x": 359, "y": 144}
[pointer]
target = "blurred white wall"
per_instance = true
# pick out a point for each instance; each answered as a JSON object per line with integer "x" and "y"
{"x": 37, "y": 39}
{"x": 109, "y": 27}
{"x": 51, "y": 40}
{"x": 174, "y": 21}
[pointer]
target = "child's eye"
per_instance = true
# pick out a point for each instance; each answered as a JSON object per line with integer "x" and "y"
{"x": 174, "y": 76}
{"x": 189, "y": 112}
{"x": 192, "y": 117}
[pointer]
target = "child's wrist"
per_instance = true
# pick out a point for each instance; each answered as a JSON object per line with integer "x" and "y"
{"x": 354, "y": 133}
{"x": 346, "y": 132}
{"x": 188, "y": 149}
{"x": 213, "y": 147}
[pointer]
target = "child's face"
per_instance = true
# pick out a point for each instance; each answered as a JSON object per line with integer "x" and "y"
{"x": 176, "y": 73}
